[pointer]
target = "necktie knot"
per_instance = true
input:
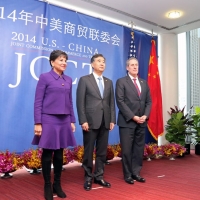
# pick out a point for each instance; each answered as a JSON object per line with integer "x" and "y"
{"x": 99, "y": 78}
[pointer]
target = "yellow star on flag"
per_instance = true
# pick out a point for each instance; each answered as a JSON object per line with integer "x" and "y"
{"x": 151, "y": 60}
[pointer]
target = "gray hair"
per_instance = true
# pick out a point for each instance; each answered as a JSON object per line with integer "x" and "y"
{"x": 131, "y": 58}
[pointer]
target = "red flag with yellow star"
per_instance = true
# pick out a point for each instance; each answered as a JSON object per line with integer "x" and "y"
{"x": 155, "y": 122}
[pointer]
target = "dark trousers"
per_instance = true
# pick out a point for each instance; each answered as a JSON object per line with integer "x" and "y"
{"x": 90, "y": 138}
{"x": 132, "y": 144}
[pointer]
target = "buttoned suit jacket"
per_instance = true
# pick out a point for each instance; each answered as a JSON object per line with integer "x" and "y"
{"x": 53, "y": 96}
{"x": 129, "y": 102}
{"x": 91, "y": 107}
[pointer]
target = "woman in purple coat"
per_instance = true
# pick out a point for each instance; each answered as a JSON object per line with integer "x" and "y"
{"x": 54, "y": 120}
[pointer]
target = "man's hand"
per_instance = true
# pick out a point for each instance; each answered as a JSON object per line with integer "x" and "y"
{"x": 136, "y": 119}
{"x": 140, "y": 120}
{"x": 111, "y": 126}
{"x": 143, "y": 118}
{"x": 85, "y": 126}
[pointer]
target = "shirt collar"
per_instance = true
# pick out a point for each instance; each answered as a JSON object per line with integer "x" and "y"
{"x": 133, "y": 77}
{"x": 97, "y": 76}
{"x": 57, "y": 76}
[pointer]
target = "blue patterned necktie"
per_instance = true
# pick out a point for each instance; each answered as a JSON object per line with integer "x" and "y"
{"x": 100, "y": 86}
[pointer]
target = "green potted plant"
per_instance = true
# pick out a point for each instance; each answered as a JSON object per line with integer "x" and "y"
{"x": 196, "y": 128}
{"x": 177, "y": 126}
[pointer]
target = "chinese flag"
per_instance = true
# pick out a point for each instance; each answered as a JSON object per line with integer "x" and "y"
{"x": 155, "y": 122}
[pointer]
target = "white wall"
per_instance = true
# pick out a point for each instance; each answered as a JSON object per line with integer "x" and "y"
{"x": 168, "y": 67}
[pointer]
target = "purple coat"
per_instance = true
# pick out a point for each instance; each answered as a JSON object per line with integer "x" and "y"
{"x": 53, "y": 96}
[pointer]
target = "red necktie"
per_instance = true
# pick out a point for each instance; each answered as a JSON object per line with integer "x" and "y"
{"x": 137, "y": 88}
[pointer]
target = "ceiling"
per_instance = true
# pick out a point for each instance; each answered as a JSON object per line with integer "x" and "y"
{"x": 149, "y": 15}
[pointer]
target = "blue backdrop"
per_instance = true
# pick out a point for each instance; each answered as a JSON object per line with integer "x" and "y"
{"x": 30, "y": 30}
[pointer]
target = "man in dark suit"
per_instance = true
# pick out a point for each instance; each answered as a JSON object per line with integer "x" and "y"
{"x": 96, "y": 113}
{"x": 134, "y": 103}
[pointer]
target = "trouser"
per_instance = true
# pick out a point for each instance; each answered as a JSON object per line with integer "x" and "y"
{"x": 90, "y": 138}
{"x": 132, "y": 144}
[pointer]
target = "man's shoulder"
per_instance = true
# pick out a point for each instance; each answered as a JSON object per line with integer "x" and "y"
{"x": 142, "y": 80}
{"x": 107, "y": 79}
{"x": 86, "y": 77}
{"x": 122, "y": 79}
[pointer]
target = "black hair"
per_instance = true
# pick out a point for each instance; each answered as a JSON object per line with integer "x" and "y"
{"x": 96, "y": 56}
{"x": 55, "y": 54}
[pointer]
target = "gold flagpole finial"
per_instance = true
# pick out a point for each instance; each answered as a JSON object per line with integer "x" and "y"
{"x": 132, "y": 24}
{"x": 132, "y": 34}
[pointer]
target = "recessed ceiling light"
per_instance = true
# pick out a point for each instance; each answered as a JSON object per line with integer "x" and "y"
{"x": 174, "y": 14}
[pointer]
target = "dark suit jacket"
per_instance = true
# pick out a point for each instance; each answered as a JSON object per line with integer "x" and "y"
{"x": 91, "y": 107}
{"x": 129, "y": 103}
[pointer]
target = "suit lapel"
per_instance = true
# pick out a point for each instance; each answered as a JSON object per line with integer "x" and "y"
{"x": 94, "y": 84}
{"x": 130, "y": 82}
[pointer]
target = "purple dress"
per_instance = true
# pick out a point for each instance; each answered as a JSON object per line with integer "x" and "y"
{"x": 53, "y": 108}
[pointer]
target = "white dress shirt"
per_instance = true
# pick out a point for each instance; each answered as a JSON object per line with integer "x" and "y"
{"x": 137, "y": 81}
{"x": 97, "y": 80}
